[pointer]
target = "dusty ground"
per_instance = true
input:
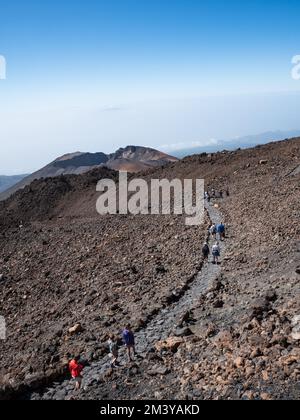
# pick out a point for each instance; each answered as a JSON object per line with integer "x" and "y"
{"x": 243, "y": 341}
{"x": 77, "y": 267}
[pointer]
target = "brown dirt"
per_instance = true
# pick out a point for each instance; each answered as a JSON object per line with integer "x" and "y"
{"x": 79, "y": 267}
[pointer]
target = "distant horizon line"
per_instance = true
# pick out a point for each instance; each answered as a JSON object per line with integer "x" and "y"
{"x": 210, "y": 146}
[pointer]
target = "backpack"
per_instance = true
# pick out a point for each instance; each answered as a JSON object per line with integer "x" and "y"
{"x": 128, "y": 338}
{"x": 205, "y": 249}
{"x": 75, "y": 369}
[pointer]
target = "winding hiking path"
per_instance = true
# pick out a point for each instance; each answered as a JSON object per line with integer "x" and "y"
{"x": 159, "y": 328}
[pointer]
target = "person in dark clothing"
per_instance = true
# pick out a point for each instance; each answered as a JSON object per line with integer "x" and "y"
{"x": 114, "y": 350}
{"x": 213, "y": 231}
{"x": 129, "y": 341}
{"x": 221, "y": 231}
{"x": 205, "y": 251}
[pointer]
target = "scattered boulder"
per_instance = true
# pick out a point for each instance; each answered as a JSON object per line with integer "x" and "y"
{"x": 259, "y": 307}
{"x": 256, "y": 352}
{"x": 203, "y": 331}
{"x": 271, "y": 296}
{"x": 171, "y": 344}
{"x": 218, "y": 304}
{"x": 216, "y": 286}
{"x": 239, "y": 362}
{"x": 183, "y": 332}
{"x": 266, "y": 397}
{"x": 185, "y": 318}
{"x": 158, "y": 370}
{"x": 296, "y": 328}
{"x": 224, "y": 340}
{"x": 160, "y": 269}
{"x": 289, "y": 360}
{"x": 76, "y": 329}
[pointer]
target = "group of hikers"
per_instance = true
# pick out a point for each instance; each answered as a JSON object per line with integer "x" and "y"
{"x": 76, "y": 366}
{"x": 128, "y": 340}
{"x": 218, "y": 233}
{"x": 216, "y": 194}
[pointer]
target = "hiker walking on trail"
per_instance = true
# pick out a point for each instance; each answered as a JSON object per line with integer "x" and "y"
{"x": 221, "y": 231}
{"x": 114, "y": 350}
{"x": 216, "y": 253}
{"x": 129, "y": 341}
{"x": 207, "y": 196}
{"x": 213, "y": 231}
{"x": 76, "y": 372}
{"x": 205, "y": 251}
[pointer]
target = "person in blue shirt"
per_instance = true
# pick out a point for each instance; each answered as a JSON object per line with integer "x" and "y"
{"x": 221, "y": 231}
{"x": 129, "y": 341}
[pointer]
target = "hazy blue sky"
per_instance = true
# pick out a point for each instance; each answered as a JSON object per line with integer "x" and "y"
{"x": 97, "y": 75}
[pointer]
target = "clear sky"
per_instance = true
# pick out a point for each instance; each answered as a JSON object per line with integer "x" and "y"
{"x": 95, "y": 75}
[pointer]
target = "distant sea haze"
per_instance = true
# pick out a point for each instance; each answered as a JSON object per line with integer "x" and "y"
{"x": 233, "y": 144}
{"x": 136, "y": 158}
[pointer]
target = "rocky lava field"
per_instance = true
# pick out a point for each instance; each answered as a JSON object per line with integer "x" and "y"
{"x": 69, "y": 277}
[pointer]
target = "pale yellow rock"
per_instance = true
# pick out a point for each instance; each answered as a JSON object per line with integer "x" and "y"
{"x": 239, "y": 362}
{"x": 76, "y": 329}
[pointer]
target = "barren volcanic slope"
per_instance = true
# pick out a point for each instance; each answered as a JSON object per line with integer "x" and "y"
{"x": 130, "y": 159}
{"x": 240, "y": 338}
{"x": 67, "y": 265}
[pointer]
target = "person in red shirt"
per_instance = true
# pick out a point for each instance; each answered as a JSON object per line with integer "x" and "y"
{"x": 76, "y": 372}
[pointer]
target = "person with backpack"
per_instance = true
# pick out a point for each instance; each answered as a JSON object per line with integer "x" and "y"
{"x": 221, "y": 231}
{"x": 114, "y": 350}
{"x": 213, "y": 230}
{"x": 129, "y": 341}
{"x": 76, "y": 368}
{"x": 205, "y": 251}
{"x": 216, "y": 253}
